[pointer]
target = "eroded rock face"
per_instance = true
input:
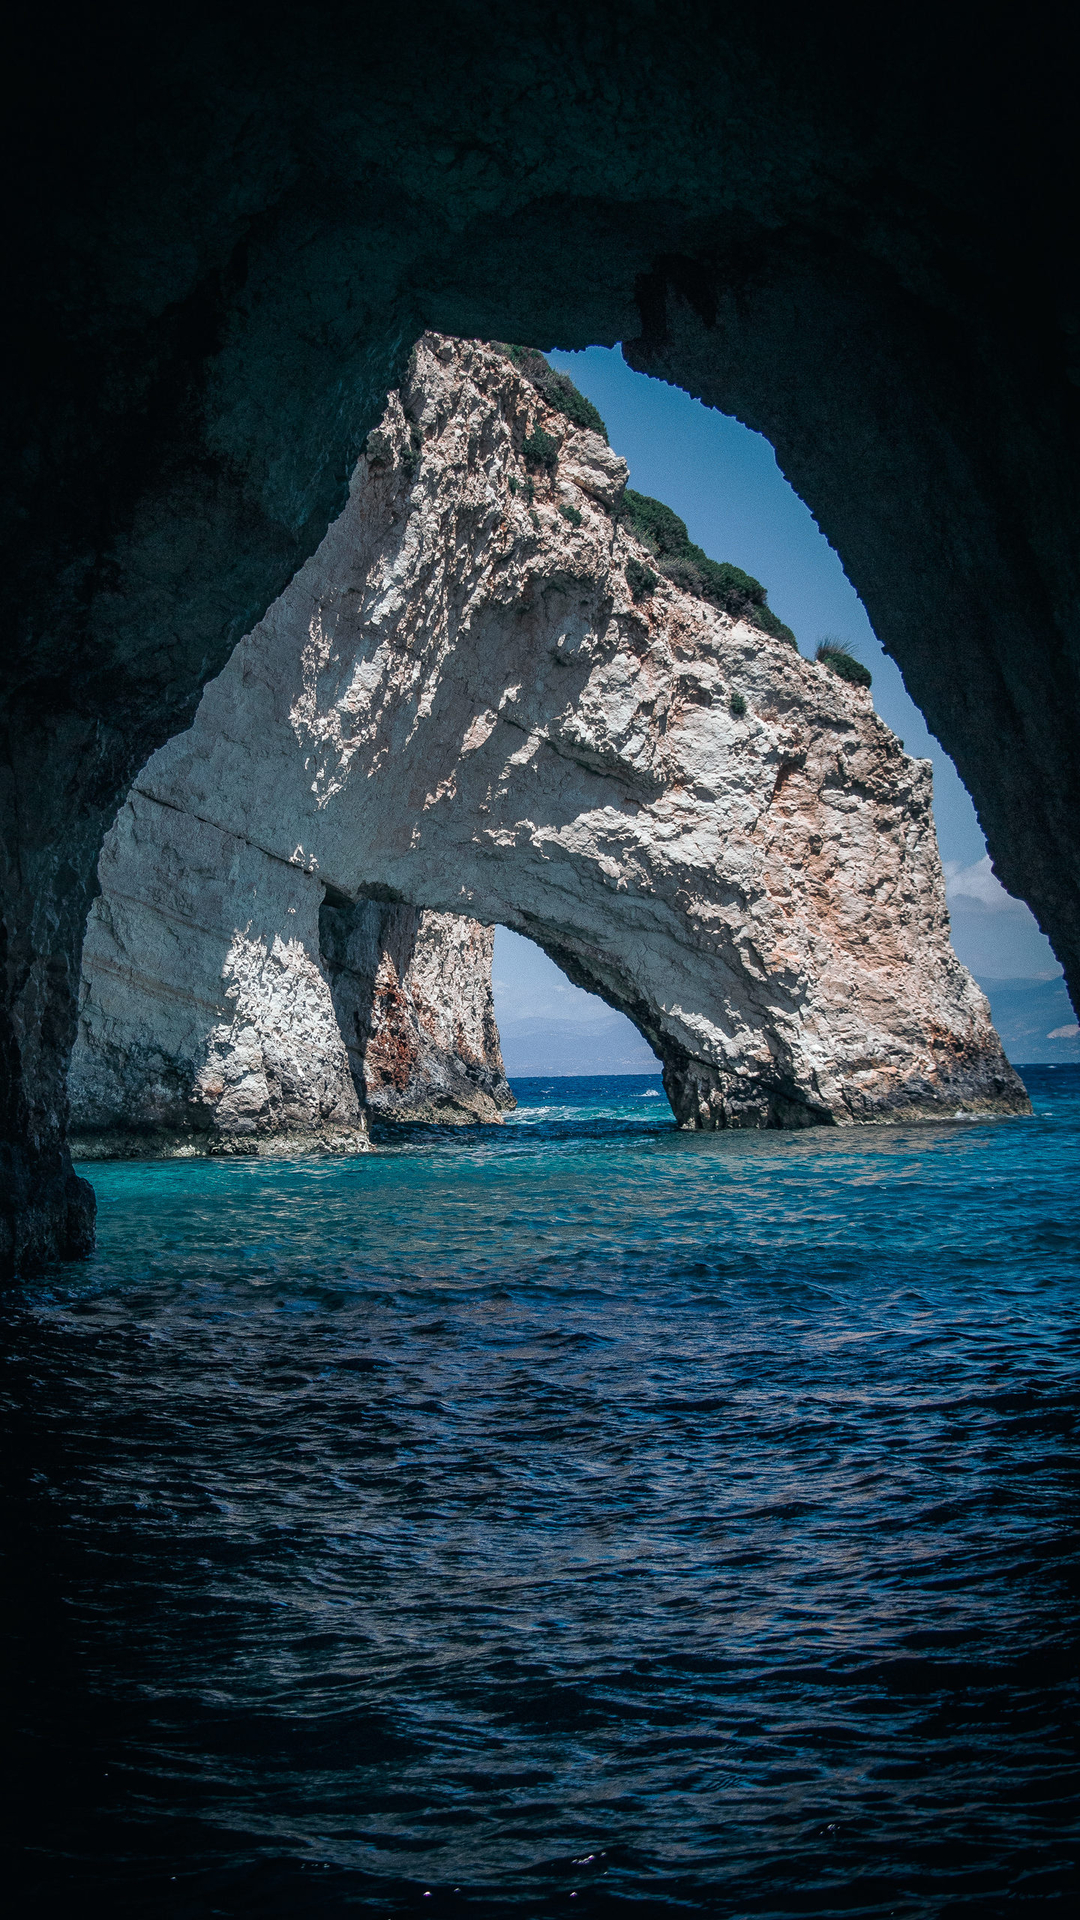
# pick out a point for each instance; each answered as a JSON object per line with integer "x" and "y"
{"x": 412, "y": 994}
{"x": 205, "y": 1023}
{"x": 460, "y": 705}
{"x": 213, "y": 1020}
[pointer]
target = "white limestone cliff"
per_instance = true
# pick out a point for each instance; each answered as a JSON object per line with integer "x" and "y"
{"x": 458, "y": 705}
{"x": 227, "y": 1008}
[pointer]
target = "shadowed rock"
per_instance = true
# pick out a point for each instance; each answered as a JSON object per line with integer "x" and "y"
{"x": 413, "y": 999}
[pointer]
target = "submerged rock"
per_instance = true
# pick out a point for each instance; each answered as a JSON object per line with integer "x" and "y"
{"x": 466, "y": 704}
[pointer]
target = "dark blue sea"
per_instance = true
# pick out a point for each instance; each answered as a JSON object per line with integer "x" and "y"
{"x": 572, "y": 1518}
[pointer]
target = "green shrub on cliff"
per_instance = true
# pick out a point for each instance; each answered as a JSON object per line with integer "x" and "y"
{"x": 560, "y": 392}
{"x": 640, "y": 579}
{"x": 557, "y": 389}
{"x": 688, "y": 566}
{"x": 540, "y": 449}
{"x": 840, "y": 660}
{"x": 659, "y": 529}
{"x": 655, "y": 525}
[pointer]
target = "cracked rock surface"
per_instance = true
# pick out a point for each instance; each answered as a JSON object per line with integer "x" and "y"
{"x": 227, "y": 1008}
{"x": 459, "y": 707}
{"x": 412, "y": 996}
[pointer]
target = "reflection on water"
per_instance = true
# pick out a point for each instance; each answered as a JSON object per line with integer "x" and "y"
{"x": 576, "y": 1517}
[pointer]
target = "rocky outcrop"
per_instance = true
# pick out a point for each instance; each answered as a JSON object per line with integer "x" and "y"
{"x": 485, "y": 698}
{"x": 227, "y": 1007}
{"x": 412, "y": 995}
{"x": 205, "y": 1022}
{"x": 229, "y": 239}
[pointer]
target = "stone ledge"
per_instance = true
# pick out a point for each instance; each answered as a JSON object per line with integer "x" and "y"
{"x": 121, "y": 1144}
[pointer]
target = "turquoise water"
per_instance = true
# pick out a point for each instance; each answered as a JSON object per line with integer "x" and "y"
{"x": 574, "y": 1517}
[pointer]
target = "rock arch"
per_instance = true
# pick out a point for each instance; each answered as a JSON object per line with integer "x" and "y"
{"x": 480, "y": 699}
{"x": 845, "y": 226}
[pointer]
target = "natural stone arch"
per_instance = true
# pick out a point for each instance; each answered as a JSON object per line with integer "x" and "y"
{"x": 479, "y": 699}
{"x": 845, "y": 227}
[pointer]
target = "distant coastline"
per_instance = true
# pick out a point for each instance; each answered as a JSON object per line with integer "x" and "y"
{"x": 1033, "y": 1018}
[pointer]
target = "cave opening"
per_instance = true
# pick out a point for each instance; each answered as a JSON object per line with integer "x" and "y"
{"x": 559, "y": 1518}
{"x": 199, "y": 372}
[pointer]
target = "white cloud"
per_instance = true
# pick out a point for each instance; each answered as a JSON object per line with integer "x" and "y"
{"x": 978, "y": 888}
{"x": 1064, "y": 1033}
{"x": 996, "y": 936}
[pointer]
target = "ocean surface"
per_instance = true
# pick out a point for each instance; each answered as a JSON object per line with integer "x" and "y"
{"x": 572, "y": 1518}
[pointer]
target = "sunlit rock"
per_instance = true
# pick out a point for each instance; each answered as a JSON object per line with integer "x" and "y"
{"x": 212, "y": 1020}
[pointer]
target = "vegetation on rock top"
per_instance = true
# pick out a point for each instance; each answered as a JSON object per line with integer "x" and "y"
{"x": 840, "y": 660}
{"x": 557, "y": 389}
{"x": 540, "y": 449}
{"x": 688, "y": 566}
{"x": 658, "y": 528}
{"x": 640, "y": 579}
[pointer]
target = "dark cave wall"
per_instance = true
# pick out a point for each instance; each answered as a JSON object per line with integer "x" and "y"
{"x": 966, "y": 472}
{"x": 848, "y": 226}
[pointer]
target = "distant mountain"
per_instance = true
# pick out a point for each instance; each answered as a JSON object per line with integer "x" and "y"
{"x": 608, "y": 1044}
{"x": 1035, "y": 1020}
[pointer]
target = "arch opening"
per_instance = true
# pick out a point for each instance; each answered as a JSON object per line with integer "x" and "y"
{"x": 553, "y": 1028}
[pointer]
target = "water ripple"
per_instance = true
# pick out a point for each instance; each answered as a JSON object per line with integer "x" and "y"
{"x": 579, "y": 1517}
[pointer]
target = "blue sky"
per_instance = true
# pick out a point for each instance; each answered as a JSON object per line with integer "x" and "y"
{"x": 724, "y": 482}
